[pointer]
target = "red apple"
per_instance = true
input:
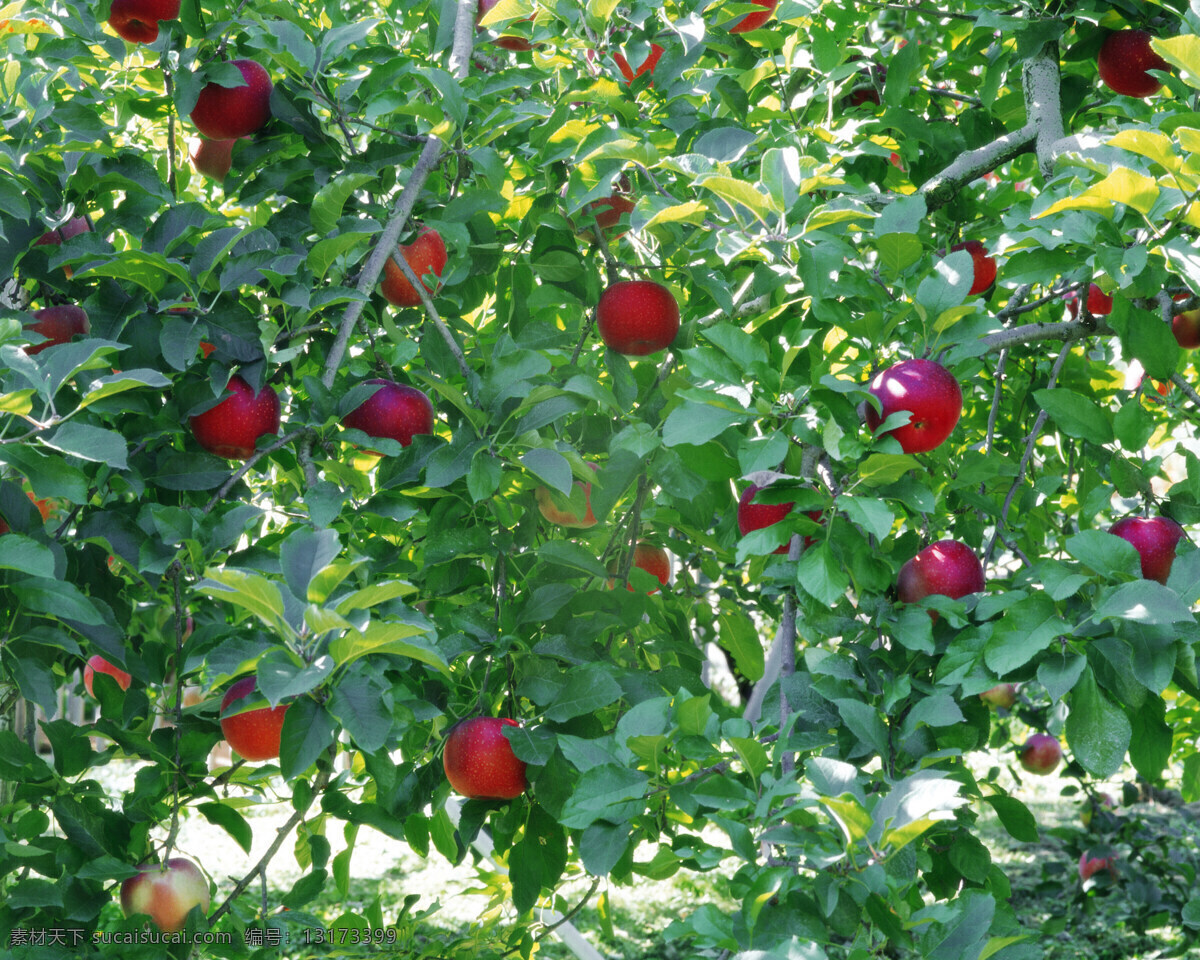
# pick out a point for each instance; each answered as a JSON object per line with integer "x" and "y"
{"x": 57, "y": 325}
{"x": 648, "y": 557}
{"x": 479, "y": 761}
{"x": 213, "y": 158}
{"x": 1090, "y": 866}
{"x": 1041, "y": 754}
{"x": 1099, "y": 304}
{"x": 425, "y": 255}
{"x": 395, "y": 411}
{"x": 985, "y": 266}
{"x": 637, "y": 317}
{"x": 1154, "y": 538}
{"x": 946, "y": 568}
{"x": 563, "y": 518}
{"x": 166, "y": 893}
{"x": 515, "y": 43}
{"x": 137, "y": 20}
{"x": 226, "y": 113}
{"x": 752, "y": 21}
{"x": 928, "y": 392}
{"x": 648, "y": 64}
{"x": 232, "y": 428}
{"x": 254, "y": 734}
{"x": 1124, "y": 58}
{"x": 607, "y": 213}
{"x": 1186, "y": 327}
{"x": 72, "y": 228}
{"x": 755, "y": 516}
{"x": 1002, "y": 695}
{"x": 97, "y": 664}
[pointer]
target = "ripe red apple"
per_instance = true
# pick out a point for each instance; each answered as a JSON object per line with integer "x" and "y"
{"x": 755, "y": 516}
{"x": 947, "y": 568}
{"x": 1099, "y": 304}
{"x": 137, "y": 20}
{"x": 479, "y": 760}
{"x": 648, "y": 557}
{"x": 985, "y": 266}
{"x": 425, "y": 255}
{"x": 648, "y": 64}
{"x": 1041, "y": 754}
{"x": 1124, "y": 58}
{"x": 563, "y": 518}
{"x": 1002, "y": 695}
{"x": 752, "y": 21}
{"x": 166, "y": 893}
{"x": 637, "y": 317}
{"x": 97, "y": 664}
{"x": 395, "y": 411}
{"x": 213, "y": 158}
{"x": 518, "y": 44}
{"x": 1186, "y": 327}
{"x": 57, "y": 325}
{"x": 226, "y": 113}
{"x": 254, "y": 734}
{"x": 928, "y": 392}
{"x": 232, "y": 428}
{"x": 1090, "y": 866}
{"x": 1154, "y": 538}
{"x": 608, "y": 212}
{"x": 72, "y": 228}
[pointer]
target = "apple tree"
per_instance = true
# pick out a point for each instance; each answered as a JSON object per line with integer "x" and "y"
{"x": 435, "y": 361}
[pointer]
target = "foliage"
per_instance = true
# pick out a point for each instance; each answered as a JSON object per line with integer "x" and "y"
{"x": 804, "y": 237}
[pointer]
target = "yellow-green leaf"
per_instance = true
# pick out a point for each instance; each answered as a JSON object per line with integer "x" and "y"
{"x": 1148, "y": 143}
{"x": 507, "y": 10}
{"x": 1182, "y": 52}
{"x": 1121, "y": 186}
{"x": 691, "y": 212}
{"x": 737, "y": 192}
{"x": 18, "y": 402}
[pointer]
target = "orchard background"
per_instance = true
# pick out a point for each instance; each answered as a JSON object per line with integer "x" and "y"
{"x": 805, "y": 230}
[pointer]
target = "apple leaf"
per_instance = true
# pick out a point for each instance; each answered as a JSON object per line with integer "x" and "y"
{"x": 1097, "y": 731}
{"x": 697, "y": 423}
{"x": 229, "y": 820}
{"x": 327, "y": 205}
{"x": 1184, "y": 52}
{"x": 1150, "y": 744}
{"x": 1015, "y": 817}
{"x": 308, "y": 730}
{"x": 587, "y": 690}
{"x": 1143, "y": 601}
{"x": 1105, "y": 553}
{"x": 607, "y": 792}
{"x": 738, "y": 636}
{"x": 1075, "y": 414}
{"x": 1059, "y": 673}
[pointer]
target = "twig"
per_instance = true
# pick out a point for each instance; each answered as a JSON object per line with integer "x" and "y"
{"x": 431, "y": 310}
{"x": 566, "y": 917}
{"x": 249, "y": 464}
{"x": 928, "y": 11}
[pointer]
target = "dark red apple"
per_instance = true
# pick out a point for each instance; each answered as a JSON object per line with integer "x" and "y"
{"x": 394, "y": 410}
{"x": 755, "y": 516}
{"x": 637, "y": 317}
{"x": 564, "y": 518}
{"x": 479, "y": 761}
{"x": 1186, "y": 327}
{"x": 166, "y": 893}
{"x": 608, "y": 212}
{"x": 1154, "y": 538}
{"x": 72, "y": 228}
{"x": 226, "y": 113}
{"x": 985, "y": 266}
{"x": 1041, "y": 754}
{"x": 57, "y": 325}
{"x": 646, "y": 556}
{"x": 213, "y": 158}
{"x": 1124, "y": 58}
{"x": 1099, "y": 304}
{"x": 137, "y": 20}
{"x": 1090, "y": 866}
{"x": 928, "y": 392}
{"x": 505, "y": 42}
{"x": 97, "y": 664}
{"x": 425, "y": 255}
{"x": 647, "y": 65}
{"x": 253, "y": 734}
{"x": 947, "y": 568}
{"x": 752, "y": 21}
{"x": 231, "y": 429}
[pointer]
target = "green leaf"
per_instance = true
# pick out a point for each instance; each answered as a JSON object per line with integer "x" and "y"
{"x": 1105, "y": 553}
{"x": 1059, "y": 673}
{"x": 737, "y": 635}
{"x": 606, "y": 792}
{"x": 588, "y": 688}
{"x": 821, "y": 576}
{"x": 1150, "y": 745}
{"x": 304, "y": 554}
{"x": 308, "y": 731}
{"x": 90, "y": 443}
{"x": 327, "y": 205}
{"x": 698, "y": 423}
{"x": 1024, "y": 631}
{"x": 1151, "y": 341}
{"x": 1015, "y": 818}
{"x": 1097, "y": 731}
{"x": 1075, "y": 414}
{"x": 882, "y": 468}
{"x": 229, "y": 820}
{"x": 873, "y": 515}
{"x": 864, "y": 722}
{"x": 1143, "y": 601}
{"x": 392, "y": 638}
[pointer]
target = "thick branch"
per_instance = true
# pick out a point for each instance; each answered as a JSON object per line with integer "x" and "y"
{"x": 1065, "y": 330}
{"x": 940, "y": 189}
{"x": 1043, "y": 103}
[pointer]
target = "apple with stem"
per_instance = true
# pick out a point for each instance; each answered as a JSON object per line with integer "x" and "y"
{"x": 984, "y": 266}
{"x": 925, "y": 390}
{"x": 226, "y": 113}
{"x": 1124, "y": 61}
{"x": 1154, "y": 538}
{"x": 253, "y": 734}
{"x": 166, "y": 893}
{"x": 752, "y": 21}
{"x": 425, "y": 255}
{"x": 946, "y": 568}
{"x": 394, "y": 411}
{"x": 564, "y": 518}
{"x": 58, "y": 325}
{"x": 637, "y": 317}
{"x": 755, "y": 516}
{"x": 649, "y": 557}
{"x": 137, "y": 20}
{"x": 1002, "y": 696}
{"x": 1041, "y": 754}
{"x": 97, "y": 664}
{"x": 479, "y": 761}
{"x": 231, "y": 428}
